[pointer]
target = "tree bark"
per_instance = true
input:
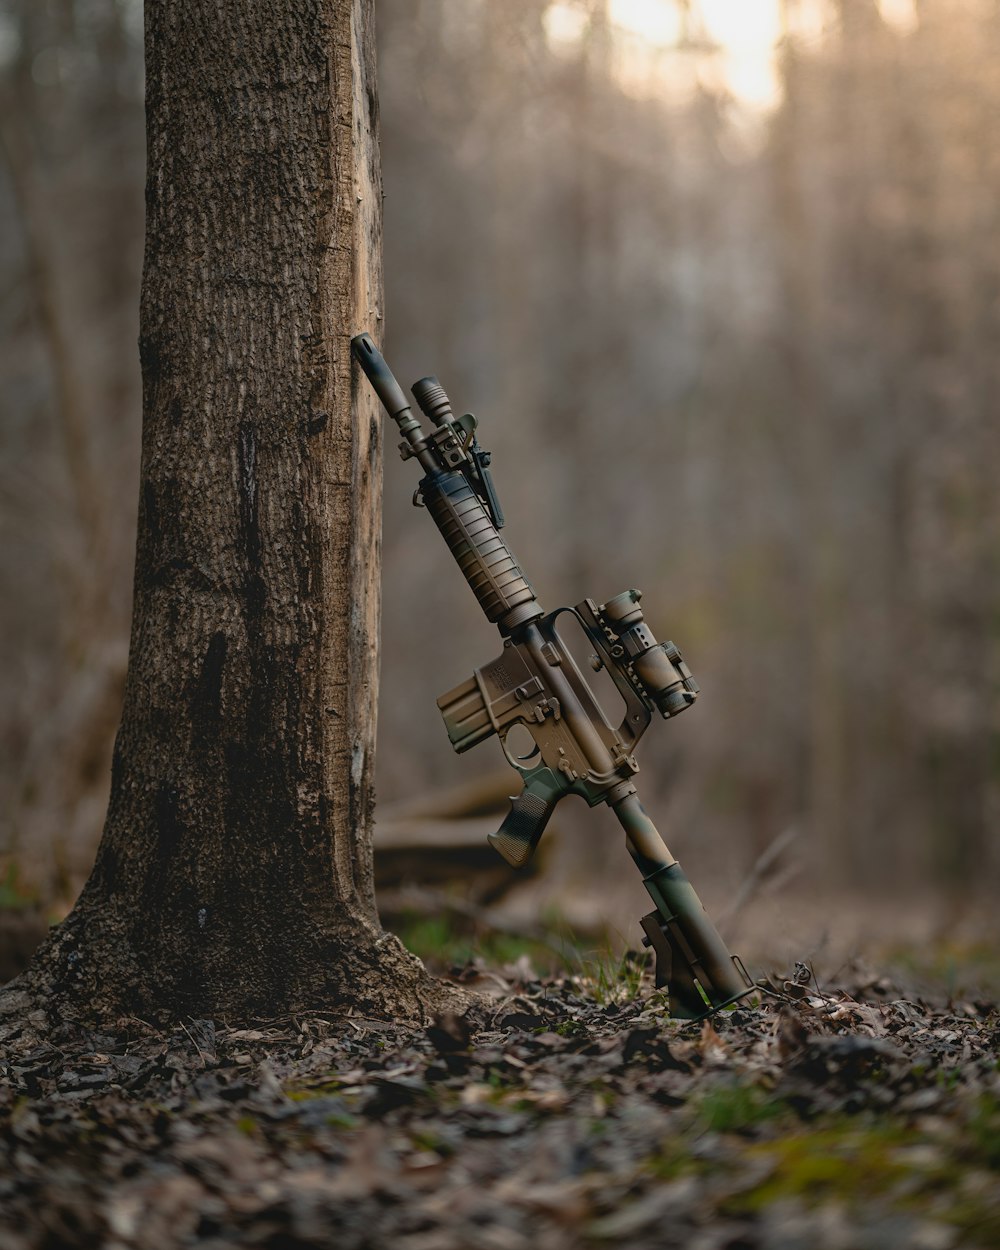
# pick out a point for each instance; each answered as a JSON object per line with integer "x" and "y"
{"x": 234, "y": 876}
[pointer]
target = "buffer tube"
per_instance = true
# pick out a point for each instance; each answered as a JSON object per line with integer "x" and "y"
{"x": 691, "y": 957}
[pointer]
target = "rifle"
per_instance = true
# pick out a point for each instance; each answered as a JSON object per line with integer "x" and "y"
{"x": 537, "y": 684}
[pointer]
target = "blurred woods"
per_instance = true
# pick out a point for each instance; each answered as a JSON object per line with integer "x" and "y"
{"x": 745, "y": 360}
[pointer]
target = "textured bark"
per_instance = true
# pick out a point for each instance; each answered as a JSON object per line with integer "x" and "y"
{"x": 234, "y": 876}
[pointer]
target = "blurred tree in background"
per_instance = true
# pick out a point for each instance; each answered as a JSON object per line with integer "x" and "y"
{"x": 738, "y": 352}
{"x": 71, "y": 188}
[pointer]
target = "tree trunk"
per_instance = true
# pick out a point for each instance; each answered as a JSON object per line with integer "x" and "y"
{"x": 234, "y": 877}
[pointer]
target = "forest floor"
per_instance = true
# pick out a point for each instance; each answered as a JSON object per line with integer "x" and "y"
{"x": 864, "y": 1113}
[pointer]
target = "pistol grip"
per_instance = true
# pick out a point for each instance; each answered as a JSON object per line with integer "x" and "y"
{"x": 524, "y": 824}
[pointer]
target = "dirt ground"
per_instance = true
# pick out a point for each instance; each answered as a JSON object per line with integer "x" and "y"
{"x": 575, "y": 1113}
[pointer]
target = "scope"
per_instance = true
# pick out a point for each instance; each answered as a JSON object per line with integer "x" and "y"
{"x": 659, "y": 666}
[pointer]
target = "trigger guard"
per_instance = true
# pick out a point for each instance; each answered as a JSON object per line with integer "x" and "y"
{"x": 523, "y": 763}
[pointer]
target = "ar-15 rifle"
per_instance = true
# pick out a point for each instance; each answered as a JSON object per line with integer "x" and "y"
{"x": 536, "y": 683}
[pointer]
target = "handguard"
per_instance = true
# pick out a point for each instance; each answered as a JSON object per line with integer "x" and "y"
{"x": 536, "y": 684}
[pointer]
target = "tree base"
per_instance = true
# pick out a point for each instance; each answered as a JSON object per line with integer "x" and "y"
{"x": 88, "y": 971}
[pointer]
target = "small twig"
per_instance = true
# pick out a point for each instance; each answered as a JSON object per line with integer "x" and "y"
{"x": 766, "y": 989}
{"x": 815, "y": 980}
{"x": 756, "y": 877}
{"x": 201, "y": 1055}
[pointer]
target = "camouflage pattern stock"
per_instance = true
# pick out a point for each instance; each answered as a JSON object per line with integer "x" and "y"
{"x": 704, "y": 958}
{"x": 537, "y": 685}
